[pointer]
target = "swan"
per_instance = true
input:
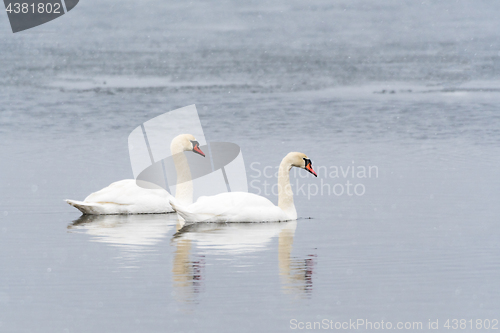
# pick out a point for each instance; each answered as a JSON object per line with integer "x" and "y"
{"x": 126, "y": 197}
{"x": 248, "y": 207}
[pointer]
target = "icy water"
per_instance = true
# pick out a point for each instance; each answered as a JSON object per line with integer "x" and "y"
{"x": 407, "y": 91}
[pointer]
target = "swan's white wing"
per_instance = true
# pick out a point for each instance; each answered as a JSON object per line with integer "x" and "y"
{"x": 232, "y": 207}
{"x": 125, "y": 197}
{"x": 126, "y": 192}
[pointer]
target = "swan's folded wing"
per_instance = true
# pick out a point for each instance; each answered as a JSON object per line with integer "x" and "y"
{"x": 124, "y": 197}
{"x": 233, "y": 207}
{"x": 126, "y": 192}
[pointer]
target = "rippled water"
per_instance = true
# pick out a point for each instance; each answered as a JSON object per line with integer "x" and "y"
{"x": 409, "y": 89}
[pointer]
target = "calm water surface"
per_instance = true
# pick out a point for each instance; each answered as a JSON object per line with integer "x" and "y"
{"x": 409, "y": 89}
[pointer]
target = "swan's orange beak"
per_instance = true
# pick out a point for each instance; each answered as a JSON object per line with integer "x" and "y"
{"x": 309, "y": 166}
{"x": 310, "y": 169}
{"x": 197, "y": 150}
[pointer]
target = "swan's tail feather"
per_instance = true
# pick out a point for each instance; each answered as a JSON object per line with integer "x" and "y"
{"x": 181, "y": 210}
{"x": 87, "y": 208}
{"x": 174, "y": 202}
{"x": 189, "y": 216}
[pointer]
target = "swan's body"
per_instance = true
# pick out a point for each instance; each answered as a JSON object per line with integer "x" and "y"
{"x": 232, "y": 207}
{"x": 248, "y": 207}
{"x": 126, "y": 197}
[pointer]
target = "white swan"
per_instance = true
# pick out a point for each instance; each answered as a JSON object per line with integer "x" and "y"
{"x": 125, "y": 197}
{"x": 248, "y": 207}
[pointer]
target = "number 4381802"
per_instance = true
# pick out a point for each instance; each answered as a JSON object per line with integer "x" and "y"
{"x": 40, "y": 8}
{"x": 463, "y": 324}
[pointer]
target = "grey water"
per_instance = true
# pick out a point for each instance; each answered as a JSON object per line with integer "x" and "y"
{"x": 408, "y": 90}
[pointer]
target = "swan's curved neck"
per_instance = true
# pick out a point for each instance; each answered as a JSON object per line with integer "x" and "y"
{"x": 184, "y": 187}
{"x": 285, "y": 193}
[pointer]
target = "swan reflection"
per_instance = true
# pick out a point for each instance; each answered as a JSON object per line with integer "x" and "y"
{"x": 236, "y": 239}
{"x": 187, "y": 272}
{"x": 295, "y": 273}
{"x": 134, "y": 234}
